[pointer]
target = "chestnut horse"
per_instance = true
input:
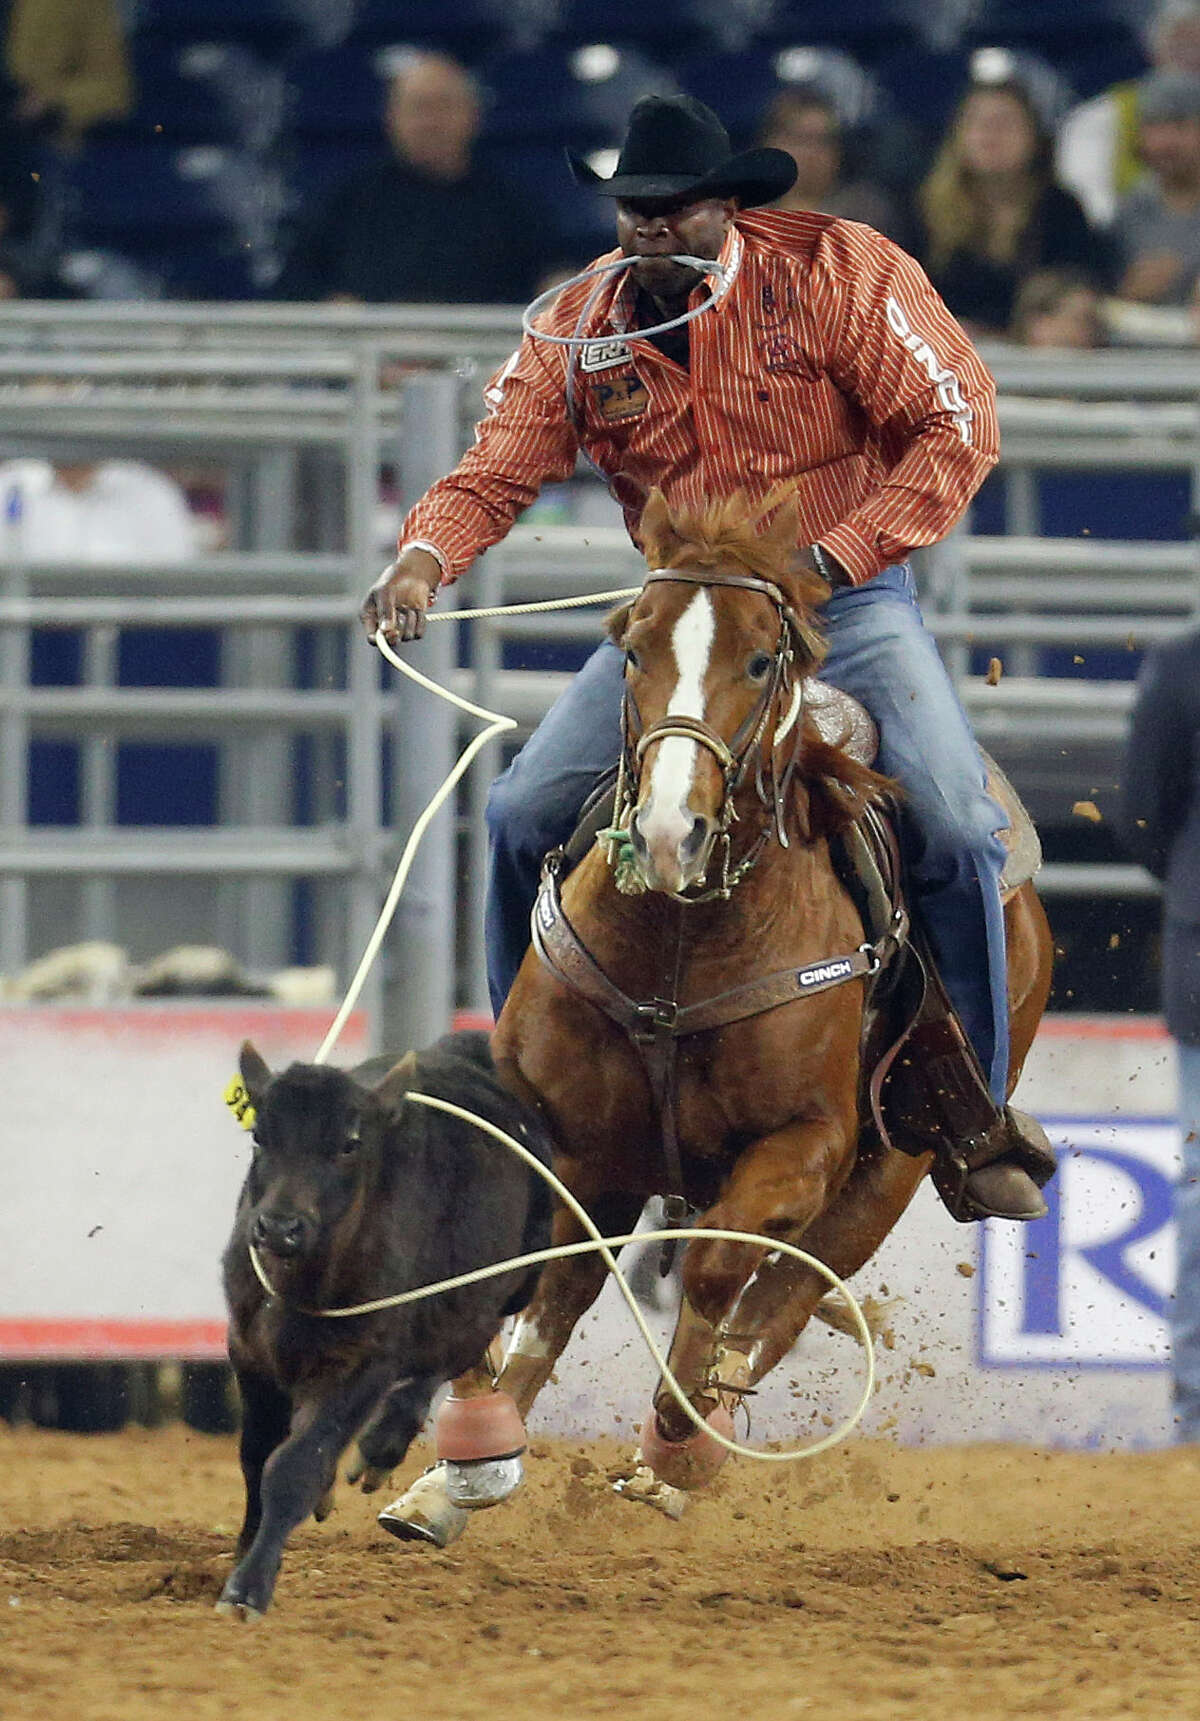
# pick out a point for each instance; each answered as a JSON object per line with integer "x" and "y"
{"x": 766, "y": 1106}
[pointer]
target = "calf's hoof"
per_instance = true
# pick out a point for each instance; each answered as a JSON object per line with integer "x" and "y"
{"x": 425, "y": 1512}
{"x": 689, "y": 1463}
{"x": 366, "y": 1476}
{"x": 235, "y": 1605}
{"x": 239, "y": 1610}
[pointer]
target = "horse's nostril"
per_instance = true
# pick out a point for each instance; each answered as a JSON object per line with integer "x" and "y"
{"x": 696, "y": 838}
{"x": 638, "y": 840}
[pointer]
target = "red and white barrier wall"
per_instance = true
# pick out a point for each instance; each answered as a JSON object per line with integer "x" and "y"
{"x": 121, "y": 1166}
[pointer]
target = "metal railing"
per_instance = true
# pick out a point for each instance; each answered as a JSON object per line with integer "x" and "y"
{"x": 301, "y": 405}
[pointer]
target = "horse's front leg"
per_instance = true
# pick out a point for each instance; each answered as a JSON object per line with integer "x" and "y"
{"x": 778, "y": 1188}
{"x": 565, "y": 1291}
{"x": 783, "y": 1295}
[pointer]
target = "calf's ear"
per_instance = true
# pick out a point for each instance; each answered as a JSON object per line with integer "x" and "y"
{"x": 254, "y": 1070}
{"x": 389, "y": 1093}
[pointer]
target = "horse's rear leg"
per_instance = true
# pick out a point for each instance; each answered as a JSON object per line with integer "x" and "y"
{"x": 478, "y": 1463}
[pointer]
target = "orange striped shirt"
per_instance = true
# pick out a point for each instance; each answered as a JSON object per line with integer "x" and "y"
{"x": 828, "y": 359}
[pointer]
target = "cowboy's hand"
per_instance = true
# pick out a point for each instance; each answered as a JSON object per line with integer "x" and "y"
{"x": 395, "y": 605}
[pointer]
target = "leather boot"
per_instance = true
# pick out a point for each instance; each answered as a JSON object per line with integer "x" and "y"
{"x": 930, "y": 1094}
{"x": 1006, "y": 1187}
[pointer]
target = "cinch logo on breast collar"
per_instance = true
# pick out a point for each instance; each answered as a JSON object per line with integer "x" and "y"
{"x": 604, "y": 355}
{"x": 839, "y": 970}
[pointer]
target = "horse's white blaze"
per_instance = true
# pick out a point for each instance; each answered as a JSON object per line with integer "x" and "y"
{"x": 664, "y": 818}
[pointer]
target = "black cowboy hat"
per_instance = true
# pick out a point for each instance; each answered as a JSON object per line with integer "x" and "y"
{"x": 674, "y": 145}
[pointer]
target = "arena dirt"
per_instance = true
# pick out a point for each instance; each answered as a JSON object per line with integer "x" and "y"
{"x": 873, "y": 1584}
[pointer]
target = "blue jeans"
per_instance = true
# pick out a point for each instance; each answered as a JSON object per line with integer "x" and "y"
{"x": 1185, "y": 1305}
{"x": 879, "y": 651}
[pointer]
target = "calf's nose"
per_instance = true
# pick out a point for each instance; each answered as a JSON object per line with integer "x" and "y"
{"x": 282, "y": 1233}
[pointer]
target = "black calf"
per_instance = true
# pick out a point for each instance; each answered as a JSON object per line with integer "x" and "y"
{"x": 353, "y": 1195}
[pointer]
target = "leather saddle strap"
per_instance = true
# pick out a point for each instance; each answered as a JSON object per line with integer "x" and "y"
{"x": 650, "y": 1027}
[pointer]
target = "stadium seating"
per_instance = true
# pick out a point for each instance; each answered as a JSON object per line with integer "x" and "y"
{"x": 556, "y": 94}
{"x": 468, "y": 29}
{"x": 869, "y": 27}
{"x": 583, "y": 219}
{"x": 270, "y": 26}
{"x": 335, "y": 95}
{"x": 1091, "y": 43}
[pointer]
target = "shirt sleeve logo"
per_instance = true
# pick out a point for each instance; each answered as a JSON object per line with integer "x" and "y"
{"x": 945, "y": 380}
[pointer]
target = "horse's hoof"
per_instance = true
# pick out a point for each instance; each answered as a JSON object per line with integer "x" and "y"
{"x": 425, "y": 1512}
{"x": 483, "y": 1483}
{"x": 324, "y": 1506}
{"x": 689, "y": 1463}
{"x": 644, "y": 1486}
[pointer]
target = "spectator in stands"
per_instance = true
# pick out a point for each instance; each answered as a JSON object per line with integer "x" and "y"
{"x": 1157, "y": 230}
{"x": 804, "y": 121}
{"x": 426, "y": 225}
{"x": 1058, "y": 308}
{"x": 66, "y": 59}
{"x": 1161, "y": 820}
{"x": 1098, "y": 145}
{"x": 93, "y": 513}
{"x": 992, "y": 212}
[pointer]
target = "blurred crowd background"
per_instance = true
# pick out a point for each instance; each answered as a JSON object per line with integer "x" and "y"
{"x": 1041, "y": 157}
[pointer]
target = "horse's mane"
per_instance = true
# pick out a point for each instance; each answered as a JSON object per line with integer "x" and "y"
{"x": 733, "y": 529}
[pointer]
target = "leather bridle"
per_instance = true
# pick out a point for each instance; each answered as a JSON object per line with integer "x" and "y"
{"x": 795, "y": 639}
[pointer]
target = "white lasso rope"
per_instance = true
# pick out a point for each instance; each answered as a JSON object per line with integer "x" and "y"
{"x": 597, "y": 272}
{"x": 498, "y": 724}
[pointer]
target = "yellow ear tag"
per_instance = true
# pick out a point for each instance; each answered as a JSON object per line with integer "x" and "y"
{"x": 239, "y": 1102}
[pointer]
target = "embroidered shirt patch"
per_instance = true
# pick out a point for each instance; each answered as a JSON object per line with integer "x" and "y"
{"x": 604, "y": 355}
{"x": 621, "y": 397}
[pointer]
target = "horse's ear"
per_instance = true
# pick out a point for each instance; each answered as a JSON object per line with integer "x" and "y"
{"x": 617, "y": 621}
{"x": 657, "y": 529}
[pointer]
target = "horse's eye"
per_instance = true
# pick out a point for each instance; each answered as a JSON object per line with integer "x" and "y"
{"x": 350, "y": 1146}
{"x": 759, "y": 666}
{"x": 631, "y": 658}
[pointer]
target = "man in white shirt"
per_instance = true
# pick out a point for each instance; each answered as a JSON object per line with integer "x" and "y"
{"x": 95, "y": 513}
